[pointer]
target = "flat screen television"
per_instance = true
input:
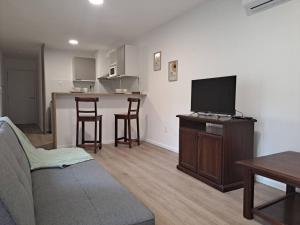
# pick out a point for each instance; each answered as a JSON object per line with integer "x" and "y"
{"x": 214, "y": 95}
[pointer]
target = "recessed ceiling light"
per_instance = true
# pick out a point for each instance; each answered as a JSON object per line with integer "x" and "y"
{"x": 73, "y": 42}
{"x": 96, "y": 2}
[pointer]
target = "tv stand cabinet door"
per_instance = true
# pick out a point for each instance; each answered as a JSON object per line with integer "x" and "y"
{"x": 210, "y": 157}
{"x": 188, "y": 152}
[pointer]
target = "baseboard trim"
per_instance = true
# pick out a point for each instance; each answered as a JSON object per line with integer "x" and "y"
{"x": 108, "y": 142}
{"x": 259, "y": 179}
{"x": 270, "y": 183}
{"x": 167, "y": 147}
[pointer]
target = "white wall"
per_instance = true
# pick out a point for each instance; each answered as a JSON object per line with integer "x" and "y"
{"x": 218, "y": 39}
{"x": 59, "y": 73}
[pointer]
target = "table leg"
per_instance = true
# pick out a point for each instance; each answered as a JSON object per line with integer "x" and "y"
{"x": 248, "y": 193}
{"x": 290, "y": 189}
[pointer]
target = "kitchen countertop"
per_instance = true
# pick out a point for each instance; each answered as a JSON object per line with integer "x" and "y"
{"x": 91, "y": 94}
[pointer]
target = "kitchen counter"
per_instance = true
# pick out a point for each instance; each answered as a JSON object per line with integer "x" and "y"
{"x": 64, "y": 115}
{"x": 93, "y": 94}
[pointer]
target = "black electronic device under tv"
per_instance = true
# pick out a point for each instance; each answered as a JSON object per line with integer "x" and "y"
{"x": 214, "y": 95}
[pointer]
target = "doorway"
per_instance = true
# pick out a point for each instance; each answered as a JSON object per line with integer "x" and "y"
{"x": 20, "y": 89}
{"x": 23, "y": 81}
{"x": 21, "y": 96}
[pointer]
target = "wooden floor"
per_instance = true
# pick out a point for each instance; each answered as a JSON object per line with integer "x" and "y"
{"x": 35, "y": 135}
{"x": 150, "y": 173}
{"x": 41, "y": 140}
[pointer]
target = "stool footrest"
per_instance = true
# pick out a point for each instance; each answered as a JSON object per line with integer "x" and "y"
{"x": 127, "y": 141}
{"x": 99, "y": 145}
{"x": 90, "y": 141}
{"x": 121, "y": 138}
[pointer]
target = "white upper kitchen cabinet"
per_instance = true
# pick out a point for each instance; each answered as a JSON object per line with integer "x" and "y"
{"x": 84, "y": 69}
{"x": 127, "y": 60}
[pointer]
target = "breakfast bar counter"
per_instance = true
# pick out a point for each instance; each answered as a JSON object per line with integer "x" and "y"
{"x": 64, "y": 115}
{"x": 94, "y": 94}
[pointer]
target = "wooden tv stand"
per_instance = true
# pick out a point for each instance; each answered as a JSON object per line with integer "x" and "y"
{"x": 209, "y": 146}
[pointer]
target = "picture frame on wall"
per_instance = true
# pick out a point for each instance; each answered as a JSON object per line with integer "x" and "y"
{"x": 157, "y": 61}
{"x": 173, "y": 70}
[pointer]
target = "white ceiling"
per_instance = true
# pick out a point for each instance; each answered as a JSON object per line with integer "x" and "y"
{"x": 26, "y": 23}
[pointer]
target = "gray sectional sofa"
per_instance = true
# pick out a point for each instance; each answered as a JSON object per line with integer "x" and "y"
{"x": 82, "y": 194}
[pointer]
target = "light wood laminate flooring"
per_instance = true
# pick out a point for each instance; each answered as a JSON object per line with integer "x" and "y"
{"x": 149, "y": 172}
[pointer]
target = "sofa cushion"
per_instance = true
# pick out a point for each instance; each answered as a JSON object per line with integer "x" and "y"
{"x": 5, "y": 218}
{"x": 85, "y": 194}
{"x": 8, "y": 135}
{"x": 15, "y": 178}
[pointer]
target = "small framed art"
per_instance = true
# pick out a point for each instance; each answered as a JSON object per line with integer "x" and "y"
{"x": 157, "y": 61}
{"x": 173, "y": 70}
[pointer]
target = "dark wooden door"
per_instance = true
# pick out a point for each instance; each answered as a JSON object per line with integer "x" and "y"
{"x": 210, "y": 156}
{"x": 188, "y": 148}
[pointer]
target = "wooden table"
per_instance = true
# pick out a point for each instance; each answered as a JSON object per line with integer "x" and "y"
{"x": 283, "y": 167}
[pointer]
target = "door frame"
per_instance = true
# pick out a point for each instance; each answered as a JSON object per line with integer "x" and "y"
{"x": 42, "y": 52}
{"x": 41, "y": 63}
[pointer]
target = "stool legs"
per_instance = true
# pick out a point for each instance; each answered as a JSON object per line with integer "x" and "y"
{"x": 77, "y": 133}
{"x": 125, "y": 130}
{"x": 82, "y": 132}
{"x": 138, "y": 130}
{"x": 100, "y": 133}
{"x": 129, "y": 134}
{"x": 116, "y": 132}
{"x": 95, "y": 140}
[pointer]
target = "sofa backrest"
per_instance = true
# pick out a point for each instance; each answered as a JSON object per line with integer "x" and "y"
{"x": 15, "y": 178}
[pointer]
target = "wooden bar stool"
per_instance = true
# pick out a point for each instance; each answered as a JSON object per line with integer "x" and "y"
{"x": 88, "y": 116}
{"x": 133, "y": 113}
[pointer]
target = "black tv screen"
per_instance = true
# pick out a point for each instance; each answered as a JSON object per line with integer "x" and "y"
{"x": 214, "y": 95}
